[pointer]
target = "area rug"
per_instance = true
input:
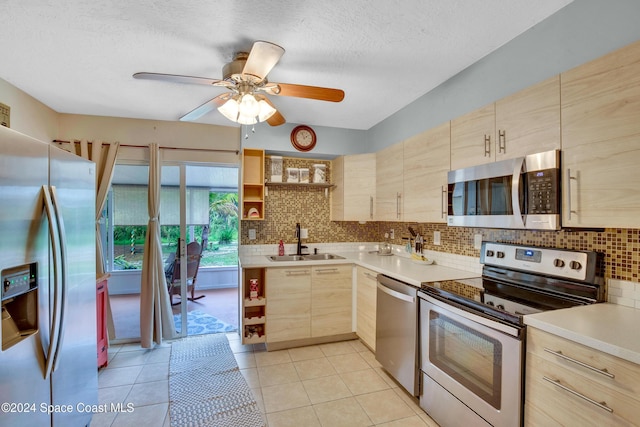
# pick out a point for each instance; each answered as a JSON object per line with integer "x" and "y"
{"x": 199, "y": 322}
{"x": 206, "y": 387}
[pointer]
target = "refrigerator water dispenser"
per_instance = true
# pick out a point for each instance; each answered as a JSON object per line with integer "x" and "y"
{"x": 19, "y": 304}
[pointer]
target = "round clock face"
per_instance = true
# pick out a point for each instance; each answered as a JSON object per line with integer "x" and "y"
{"x": 303, "y": 138}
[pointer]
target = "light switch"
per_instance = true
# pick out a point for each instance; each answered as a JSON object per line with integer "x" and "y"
{"x": 252, "y": 234}
{"x": 436, "y": 238}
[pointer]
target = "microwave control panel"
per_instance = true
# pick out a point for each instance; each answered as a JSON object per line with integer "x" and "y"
{"x": 543, "y": 191}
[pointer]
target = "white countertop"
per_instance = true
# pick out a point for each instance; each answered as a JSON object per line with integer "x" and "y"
{"x": 398, "y": 267}
{"x": 610, "y": 328}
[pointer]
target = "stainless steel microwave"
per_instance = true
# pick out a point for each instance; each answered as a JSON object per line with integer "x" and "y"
{"x": 519, "y": 193}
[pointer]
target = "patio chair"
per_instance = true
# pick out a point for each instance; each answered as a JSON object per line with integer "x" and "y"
{"x": 172, "y": 271}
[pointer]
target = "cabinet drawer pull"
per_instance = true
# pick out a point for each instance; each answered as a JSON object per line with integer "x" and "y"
{"x": 326, "y": 270}
{"x": 371, "y": 276}
{"x": 601, "y": 405}
{"x": 577, "y": 362}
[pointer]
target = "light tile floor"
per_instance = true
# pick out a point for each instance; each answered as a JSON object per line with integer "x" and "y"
{"x": 336, "y": 384}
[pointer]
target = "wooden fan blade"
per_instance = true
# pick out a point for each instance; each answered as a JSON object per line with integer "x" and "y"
{"x": 208, "y": 106}
{"x": 310, "y": 92}
{"x": 276, "y": 119}
{"x": 176, "y": 78}
{"x": 262, "y": 58}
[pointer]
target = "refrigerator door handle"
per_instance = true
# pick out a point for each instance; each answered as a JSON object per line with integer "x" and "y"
{"x": 54, "y": 327}
{"x": 63, "y": 268}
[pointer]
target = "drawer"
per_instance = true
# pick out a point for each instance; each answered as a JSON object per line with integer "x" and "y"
{"x": 618, "y": 374}
{"x": 549, "y": 404}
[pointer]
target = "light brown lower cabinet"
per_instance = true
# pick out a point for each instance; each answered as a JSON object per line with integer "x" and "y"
{"x": 288, "y": 303}
{"x": 569, "y": 384}
{"x": 308, "y": 302}
{"x": 366, "y": 300}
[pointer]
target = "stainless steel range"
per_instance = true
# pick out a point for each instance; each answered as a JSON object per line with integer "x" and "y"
{"x": 472, "y": 347}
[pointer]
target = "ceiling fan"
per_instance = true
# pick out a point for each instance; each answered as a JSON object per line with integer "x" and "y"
{"x": 246, "y": 79}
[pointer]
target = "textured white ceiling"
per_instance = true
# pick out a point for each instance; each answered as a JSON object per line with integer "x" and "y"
{"x": 77, "y": 56}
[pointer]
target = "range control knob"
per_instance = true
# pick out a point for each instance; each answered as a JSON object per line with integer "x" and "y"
{"x": 575, "y": 265}
{"x": 489, "y": 253}
{"x": 500, "y": 254}
{"x": 558, "y": 262}
{"x": 6, "y": 284}
{"x": 501, "y": 307}
{"x": 490, "y": 303}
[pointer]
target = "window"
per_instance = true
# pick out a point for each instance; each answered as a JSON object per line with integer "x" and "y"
{"x": 212, "y": 208}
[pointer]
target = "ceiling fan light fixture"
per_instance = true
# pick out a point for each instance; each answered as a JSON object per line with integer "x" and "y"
{"x": 230, "y": 109}
{"x": 266, "y": 110}
{"x": 248, "y": 105}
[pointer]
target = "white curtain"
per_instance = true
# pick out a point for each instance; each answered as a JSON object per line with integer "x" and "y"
{"x": 104, "y": 155}
{"x": 156, "y": 317}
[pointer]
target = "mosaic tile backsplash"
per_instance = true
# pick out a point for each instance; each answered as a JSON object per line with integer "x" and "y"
{"x": 286, "y": 206}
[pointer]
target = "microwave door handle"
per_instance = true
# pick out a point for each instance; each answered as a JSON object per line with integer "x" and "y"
{"x": 515, "y": 193}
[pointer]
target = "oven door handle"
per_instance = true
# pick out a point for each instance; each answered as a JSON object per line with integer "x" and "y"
{"x": 396, "y": 294}
{"x": 472, "y": 317}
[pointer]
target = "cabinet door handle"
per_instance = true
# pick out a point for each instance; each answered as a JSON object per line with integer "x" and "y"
{"x": 487, "y": 145}
{"x": 502, "y": 141}
{"x": 326, "y": 270}
{"x": 297, "y": 272}
{"x": 445, "y": 191}
{"x": 577, "y": 362}
{"x": 601, "y": 405}
{"x": 370, "y": 207}
{"x": 569, "y": 178}
{"x": 398, "y": 198}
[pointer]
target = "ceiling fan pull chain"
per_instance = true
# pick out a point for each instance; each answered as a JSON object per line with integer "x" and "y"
{"x": 253, "y": 128}
{"x": 246, "y": 134}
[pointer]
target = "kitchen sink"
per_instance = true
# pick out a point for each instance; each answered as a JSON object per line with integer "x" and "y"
{"x": 314, "y": 257}
{"x": 286, "y": 258}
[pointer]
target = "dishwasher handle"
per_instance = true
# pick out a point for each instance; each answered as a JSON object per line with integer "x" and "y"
{"x": 396, "y": 294}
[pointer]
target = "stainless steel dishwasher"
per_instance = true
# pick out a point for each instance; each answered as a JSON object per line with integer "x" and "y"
{"x": 396, "y": 331}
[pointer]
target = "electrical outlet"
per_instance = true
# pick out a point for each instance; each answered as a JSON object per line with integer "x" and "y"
{"x": 304, "y": 233}
{"x": 252, "y": 234}
{"x": 436, "y": 238}
{"x": 477, "y": 241}
{"x": 392, "y": 234}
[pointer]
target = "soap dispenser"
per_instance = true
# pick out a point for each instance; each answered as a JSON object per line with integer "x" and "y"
{"x": 281, "y": 248}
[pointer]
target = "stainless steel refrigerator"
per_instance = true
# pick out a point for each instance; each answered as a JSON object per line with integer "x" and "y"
{"x": 48, "y": 370}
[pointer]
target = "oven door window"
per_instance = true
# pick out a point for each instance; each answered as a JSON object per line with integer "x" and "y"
{"x": 471, "y": 358}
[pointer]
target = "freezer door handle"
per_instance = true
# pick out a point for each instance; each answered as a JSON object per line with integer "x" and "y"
{"x": 56, "y": 312}
{"x": 63, "y": 268}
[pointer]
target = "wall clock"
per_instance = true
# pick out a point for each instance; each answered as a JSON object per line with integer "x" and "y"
{"x": 303, "y": 138}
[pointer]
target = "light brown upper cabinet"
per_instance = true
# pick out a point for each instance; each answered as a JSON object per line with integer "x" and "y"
{"x": 601, "y": 141}
{"x": 426, "y": 162}
{"x": 528, "y": 122}
{"x": 524, "y": 123}
{"x": 353, "y": 197}
{"x": 473, "y": 137}
{"x": 389, "y": 183}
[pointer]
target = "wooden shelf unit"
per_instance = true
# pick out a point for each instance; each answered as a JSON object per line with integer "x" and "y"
{"x": 252, "y": 183}
{"x": 253, "y": 326}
